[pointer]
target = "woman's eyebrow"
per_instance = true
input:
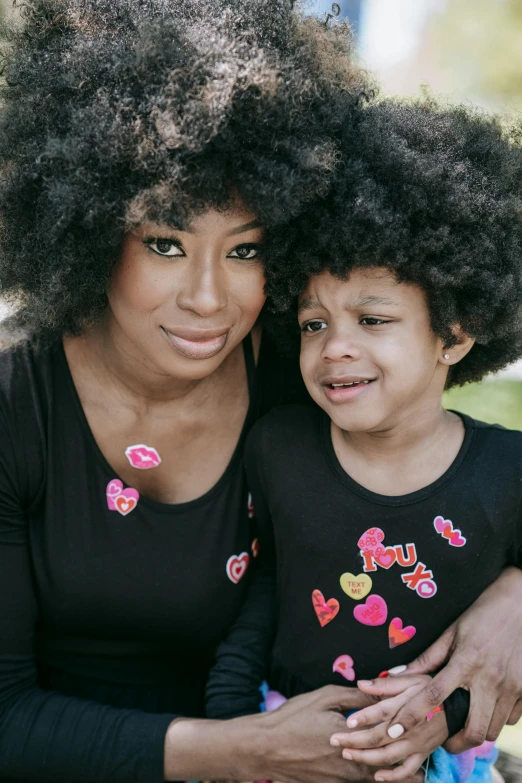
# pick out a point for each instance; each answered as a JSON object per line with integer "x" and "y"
{"x": 245, "y": 227}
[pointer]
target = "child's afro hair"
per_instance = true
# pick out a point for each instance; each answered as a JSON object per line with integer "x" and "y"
{"x": 120, "y": 111}
{"x": 433, "y": 193}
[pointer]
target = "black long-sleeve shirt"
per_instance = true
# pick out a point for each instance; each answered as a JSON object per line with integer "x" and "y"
{"x": 109, "y": 621}
{"x": 354, "y": 583}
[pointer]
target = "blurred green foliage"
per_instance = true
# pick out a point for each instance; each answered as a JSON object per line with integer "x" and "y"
{"x": 497, "y": 401}
{"x": 480, "y": 43}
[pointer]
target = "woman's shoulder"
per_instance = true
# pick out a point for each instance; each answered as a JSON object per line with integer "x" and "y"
{"x": 25, "y": 370}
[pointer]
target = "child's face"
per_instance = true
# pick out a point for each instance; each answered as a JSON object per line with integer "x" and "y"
{"x": 374, "y": 333}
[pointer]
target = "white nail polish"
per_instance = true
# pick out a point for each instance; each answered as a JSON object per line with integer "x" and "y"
{"x": 397, "y": 670}
{"x": 394, "y": 732}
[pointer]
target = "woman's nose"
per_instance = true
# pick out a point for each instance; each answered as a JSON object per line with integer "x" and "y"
{"x": 205, "y": 289}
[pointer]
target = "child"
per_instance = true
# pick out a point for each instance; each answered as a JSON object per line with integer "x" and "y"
{"x": 386, "y": 515}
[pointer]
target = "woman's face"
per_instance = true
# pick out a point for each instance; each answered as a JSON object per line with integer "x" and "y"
{"x": 182, "y": 300}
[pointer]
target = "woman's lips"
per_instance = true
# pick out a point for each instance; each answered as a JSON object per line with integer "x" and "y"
{"x": 194, "y": 345}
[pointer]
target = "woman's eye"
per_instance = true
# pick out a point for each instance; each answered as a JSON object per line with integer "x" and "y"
{"x": 245, "y": 252}
{"x": 313, "y": 326}
{"x": 165, "y": 247}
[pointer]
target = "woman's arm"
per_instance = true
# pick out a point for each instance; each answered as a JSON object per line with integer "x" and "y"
{"x": 482, "y": 651}
{"x": 291, "y": 744}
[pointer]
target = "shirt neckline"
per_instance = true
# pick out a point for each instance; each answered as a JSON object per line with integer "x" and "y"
{"x": 410, "y": 497}
{"x": 156, "y": 505}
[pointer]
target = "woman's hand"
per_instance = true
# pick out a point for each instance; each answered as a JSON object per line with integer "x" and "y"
{"x": 369, "y": 741}
{"x": 483, "y": 654}
{"x": 291, "y": 744}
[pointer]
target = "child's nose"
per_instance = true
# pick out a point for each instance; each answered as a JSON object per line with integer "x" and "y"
{"x": 340, "y": 347}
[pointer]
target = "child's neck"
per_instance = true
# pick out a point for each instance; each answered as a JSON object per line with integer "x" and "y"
{"x": 409, "y": 455}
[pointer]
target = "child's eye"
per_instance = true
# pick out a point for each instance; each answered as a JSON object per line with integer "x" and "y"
{"x": 165, "y": 247}
{"x": 369, "y": 320}
{"x": 313, "y": 326}
{"x": 245, "y": 252}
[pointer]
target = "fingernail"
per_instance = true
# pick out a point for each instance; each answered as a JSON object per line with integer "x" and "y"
{"x": 335, "y": 743}
{"x": 365, "y": 683}
{"x": 395, "y": 731}
{"x": 347, "y": 755}
{"x": 397, "y": 670}
{"x": 378, "y": 777}
{"x": 381, "y": 676}
{"x": 351, "y": 723}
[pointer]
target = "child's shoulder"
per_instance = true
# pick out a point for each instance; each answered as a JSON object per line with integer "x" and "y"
{"x": 286, "y": 425}
{"x": 495, "y": 436}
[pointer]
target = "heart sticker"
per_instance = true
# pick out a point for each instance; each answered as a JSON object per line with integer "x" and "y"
{"x": 399, "y": 635}
{"x": 373, "y": 612}
{"x": 122, "y": 500}
{"x": 114, "y": 488}
{"x": 371, "y": 541}
{"x": 447, "y": 531}
{"x": 387, "y": 558}
{"x": 325, "y": 610}
{"x": 237, "y": 566}
{"x": 357, "y": 587}
{"x": 343, "y": 665}
{"x": 142, "y": 457}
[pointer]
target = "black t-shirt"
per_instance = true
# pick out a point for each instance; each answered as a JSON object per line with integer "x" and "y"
{"x": 365, "y": 582}
{"x": 110, "y": 616}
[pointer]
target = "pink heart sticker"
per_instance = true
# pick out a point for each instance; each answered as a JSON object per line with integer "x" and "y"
{"x": 371, "y": 541}
{"x": 387, "y": 558}
{"x": 343, "y": 665}
{"x": 237, "y": 566}
{"x": 447, "y": 531}
{"x": 114, "y": 489}
{"x": 373, "y": 612}
{"x": 399, "y": 635}
{"x": 142, "y": 457}
{"x": 127, "y": 501}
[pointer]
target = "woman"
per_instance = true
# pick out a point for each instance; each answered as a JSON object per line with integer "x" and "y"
{"x": 145, "y": 148}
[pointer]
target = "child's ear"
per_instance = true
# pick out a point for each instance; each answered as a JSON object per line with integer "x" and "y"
{"x": 461, "y": 346}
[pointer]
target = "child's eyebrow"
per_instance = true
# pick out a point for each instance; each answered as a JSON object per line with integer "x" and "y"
{"x": 364, "y": 301}
{"x": 308, "y": 304}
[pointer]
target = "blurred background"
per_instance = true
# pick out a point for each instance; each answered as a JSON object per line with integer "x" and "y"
{"x": 469, "y": 51}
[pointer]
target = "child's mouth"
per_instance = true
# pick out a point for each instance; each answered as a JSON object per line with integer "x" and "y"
{"x": 342, "y": 391}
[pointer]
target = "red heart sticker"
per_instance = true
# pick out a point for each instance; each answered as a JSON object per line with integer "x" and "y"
{"x": 325, "y": 610}
{"x": 237, "y": 566}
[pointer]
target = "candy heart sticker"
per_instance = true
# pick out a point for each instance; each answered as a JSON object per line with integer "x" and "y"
{"x": 446, "y": 530}
{"x": 122, "y": 500}
{"x": 325, "y": 610}
{"x": 399, "y": 635}
{"x": 387, "y": 558}
{"x": 371, "y": 541}
{"x": 237, "y": 566}
{"x": 343, "y": 665}
{"x": 127, "y": 501}
{"x": 373, "y": 612}
{"x": 114, "y": 488}
{"x": 142, "y": 457}
{"x": 357, "y": 587}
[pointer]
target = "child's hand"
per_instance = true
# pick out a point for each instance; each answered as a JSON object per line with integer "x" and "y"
{"x": 374, "y": 746}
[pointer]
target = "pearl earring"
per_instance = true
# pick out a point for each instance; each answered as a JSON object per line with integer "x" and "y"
{"x": 446, "y": 356}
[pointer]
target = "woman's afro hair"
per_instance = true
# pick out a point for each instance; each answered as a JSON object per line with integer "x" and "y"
{"x": 120, "y": 111}
{"x": 434, "y": 194}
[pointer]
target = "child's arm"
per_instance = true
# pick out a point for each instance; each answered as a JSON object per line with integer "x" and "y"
{"x": 375, "y": 747}
{"x": 242, "y": 658}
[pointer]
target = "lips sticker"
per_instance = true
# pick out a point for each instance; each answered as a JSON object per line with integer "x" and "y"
{"x": 447, "y": 531}
{"x": 119, "y": 499}
{"x": 236, "y": 566}
{"x": 142, "y": 457}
